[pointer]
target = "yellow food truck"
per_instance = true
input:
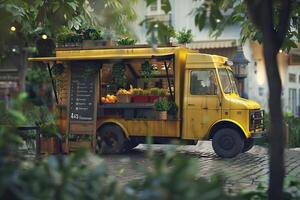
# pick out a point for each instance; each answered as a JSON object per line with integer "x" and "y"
{"x": 120, "y": 95}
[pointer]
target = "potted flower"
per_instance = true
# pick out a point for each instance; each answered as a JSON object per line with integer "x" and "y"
{"x": 162, "y": 106}
{"x": 139, "y": 96}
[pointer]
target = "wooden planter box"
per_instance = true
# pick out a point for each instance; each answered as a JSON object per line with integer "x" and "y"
{"x": 49, "y": 145}
{"x": 73, "y": 146}
{"x": 94, "y": 43}
{"x": 140, "y": 99}
{"x": 153, "y": 98}
{"x": 124, "y": 98}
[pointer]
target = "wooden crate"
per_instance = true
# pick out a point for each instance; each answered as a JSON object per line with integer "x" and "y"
{"x": 49, "y": 145}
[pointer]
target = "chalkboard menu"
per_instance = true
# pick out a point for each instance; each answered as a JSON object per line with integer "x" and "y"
{"x": 82, "y": 92}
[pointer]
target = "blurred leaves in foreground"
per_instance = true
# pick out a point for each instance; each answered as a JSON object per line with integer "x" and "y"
{"x": 82, "y": 175}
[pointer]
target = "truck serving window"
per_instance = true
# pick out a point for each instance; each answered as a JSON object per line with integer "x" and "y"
{"x": 227, "y": 81}
{"x": 203, "y": 82}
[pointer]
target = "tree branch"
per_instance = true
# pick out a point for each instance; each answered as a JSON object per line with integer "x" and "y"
{"x": 284, "y": 16}
{"x": 254, "y": 12}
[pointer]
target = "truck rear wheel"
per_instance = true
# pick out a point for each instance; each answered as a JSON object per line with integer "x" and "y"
{"x": 248, "y": 144}
{"x": 227, "y": 143}
{"x": 110, "y": 139}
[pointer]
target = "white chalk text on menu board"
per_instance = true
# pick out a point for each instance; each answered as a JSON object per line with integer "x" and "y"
{"x": 82, "y": 92}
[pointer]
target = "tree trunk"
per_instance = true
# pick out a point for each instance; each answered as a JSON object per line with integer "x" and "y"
{"x": 276, "y": 150}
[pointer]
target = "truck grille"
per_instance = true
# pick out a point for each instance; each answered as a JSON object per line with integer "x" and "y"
{"x": 256, "y": 119}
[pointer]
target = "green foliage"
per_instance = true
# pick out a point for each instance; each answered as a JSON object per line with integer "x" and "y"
{"x": 90, "y": 34}
{"x": 173, "y": 108}
{"x": 294, "y": 130}
{"x": 119, "y": 79}
{"x": 172, "y": 176}
{"x": 146, "y": 70}
{"x": 154, "y": 91}
{"x": 38, "y": 74}
{"x": 162, "y": 105}
{"x": 158, "y": 31}
{"x": 290, "y": 191}
{"x": 137, "y": 91}
{"x": 228, "y": 12}
{"x": 126, "y": 41}
{"x": 184, "y": 36}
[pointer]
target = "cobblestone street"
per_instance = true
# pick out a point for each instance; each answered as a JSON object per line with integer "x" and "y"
{"x": 242, "y": 172}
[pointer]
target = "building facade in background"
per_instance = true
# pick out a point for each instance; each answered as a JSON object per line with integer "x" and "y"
{"x": 255, "y": 85}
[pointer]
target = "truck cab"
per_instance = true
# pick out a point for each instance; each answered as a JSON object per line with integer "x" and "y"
{"x": 213, "y": 108}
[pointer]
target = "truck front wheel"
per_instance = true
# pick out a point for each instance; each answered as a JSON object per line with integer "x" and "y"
{"x": 110, "y": 139}
{"x": 248, "y": 144}
{"x": 227, "y": 143}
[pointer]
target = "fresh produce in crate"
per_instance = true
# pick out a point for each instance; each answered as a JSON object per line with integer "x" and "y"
{"x": 109, "y": 99}
{"x": 124, "y": 96}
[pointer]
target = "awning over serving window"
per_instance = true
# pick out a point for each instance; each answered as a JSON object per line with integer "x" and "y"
{"x": 212, "y": 44}
{"x": 100, "y": 57}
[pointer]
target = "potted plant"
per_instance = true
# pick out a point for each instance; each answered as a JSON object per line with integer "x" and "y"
{"x": 154, "y": 94}
{"x": 49, "y": 141}
{"x": 138, "y": 96}
{"x": 125, "y": 41}
{"x": 184, "y": 36}
{"x": 162, "y": 106}
{"x": 92, "y": 38}
{"x": 68, "y": 38}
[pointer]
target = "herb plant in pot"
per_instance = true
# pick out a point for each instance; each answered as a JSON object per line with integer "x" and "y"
{"x": 162, "y": 106}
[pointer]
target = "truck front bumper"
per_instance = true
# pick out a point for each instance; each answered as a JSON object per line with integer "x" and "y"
{"x": 259, "y": 134}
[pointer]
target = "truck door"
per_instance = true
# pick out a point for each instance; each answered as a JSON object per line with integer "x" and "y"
{"x": 202, "y": 104}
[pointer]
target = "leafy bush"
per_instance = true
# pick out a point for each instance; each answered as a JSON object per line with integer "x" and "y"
{"x": 290, "y": 191}
{"x": 184, "y": 36}
{"x": 126, "y": 41}
{"x": 162, "y": 105}
{"x": 293, "y": 130}
{"x": 173, "y": 177}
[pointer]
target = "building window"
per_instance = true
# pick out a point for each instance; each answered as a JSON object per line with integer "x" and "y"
{"x": 293, "y": 100}
{"x": 261, "y": 91}
{"x": 292, "y": 78}
{"x": 294, "y": 59}
{"x": 154, "y": 6}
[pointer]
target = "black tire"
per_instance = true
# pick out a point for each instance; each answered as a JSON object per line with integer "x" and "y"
{"x": 227, "y": 143}
{"x": 248, "y": 144}
{"x": 111, "y": 139}
{"x": 130, "y": 145}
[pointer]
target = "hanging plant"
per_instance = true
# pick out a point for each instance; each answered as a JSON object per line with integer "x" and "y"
{"x": 146, "y": 70}
{"x": 119, "y": 79}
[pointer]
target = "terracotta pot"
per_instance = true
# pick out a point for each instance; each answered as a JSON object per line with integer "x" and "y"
{"x": 163, "y": 115}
